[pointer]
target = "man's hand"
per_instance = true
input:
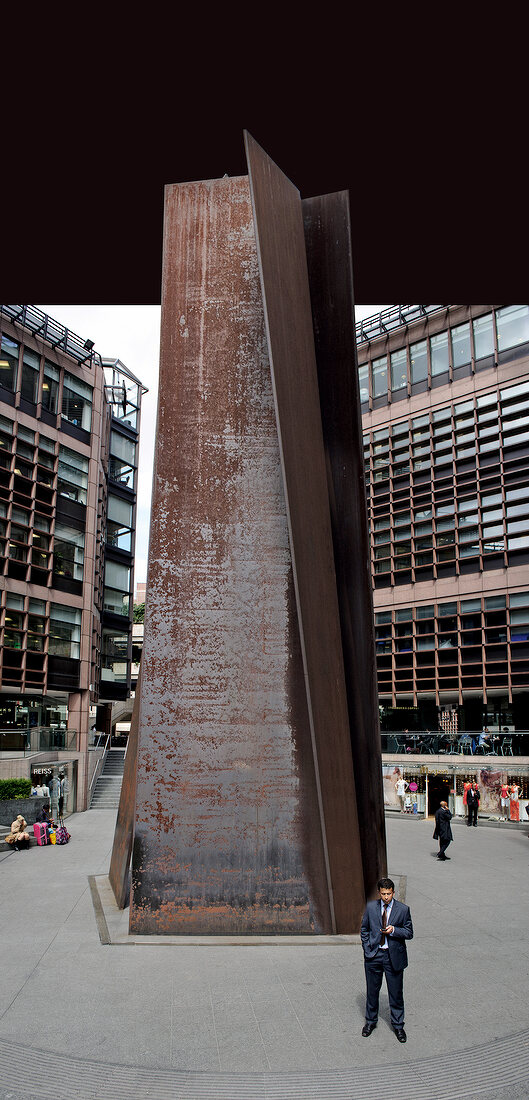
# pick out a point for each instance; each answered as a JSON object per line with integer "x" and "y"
{"x": 390, "y": 929}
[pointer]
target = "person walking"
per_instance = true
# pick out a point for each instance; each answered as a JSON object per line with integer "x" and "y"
{"x": 473, "y": 797}
{"x": 443, "y": 830}
{"x": 386, "y": 925}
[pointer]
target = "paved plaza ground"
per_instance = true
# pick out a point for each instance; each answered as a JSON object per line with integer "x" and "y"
{"x": 83, "y": 1019}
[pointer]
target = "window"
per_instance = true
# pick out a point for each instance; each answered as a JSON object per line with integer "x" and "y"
{"x": 77, "y": 402}
{"x": 68, "y": 552}
{"x": 65, "y": 631}
{"x": 8, "y": 362}
{"x": 461, "y": 350}
{"x": 399, "y": 369}
{"x": 512, "y": 325}
{"x": 363, "y": 381}
{"x": 117, "y": 588}
{"x": 419, "y": 361}
{"x": 483, "y": 336}
{"x": 29, "y": 384}
{"x": 50, "y": 387}
{"x": 73, "y": 475}
{"x": 380, "y": 377}
{"x": 122, "y": 459}
{"x": 114, "y": 656}
{"x": 119, "y": 523}
{"x": 439, "y": 353}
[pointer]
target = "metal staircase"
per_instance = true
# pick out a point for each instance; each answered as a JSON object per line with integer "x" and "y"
{"x": 108, "y": 786}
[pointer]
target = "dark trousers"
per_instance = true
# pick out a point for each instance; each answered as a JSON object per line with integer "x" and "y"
{"x": 375, "y": 968}
{"x": 443, "y": 845}
{"x": 472, "y": 817}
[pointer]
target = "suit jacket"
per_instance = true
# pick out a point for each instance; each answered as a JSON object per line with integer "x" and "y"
{"x": 371, "y": 928}
{"x": 472, "y": 797}
{"x": 443, "y": 828}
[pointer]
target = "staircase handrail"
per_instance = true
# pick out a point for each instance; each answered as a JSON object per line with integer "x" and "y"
{"x": 98, "y": 769}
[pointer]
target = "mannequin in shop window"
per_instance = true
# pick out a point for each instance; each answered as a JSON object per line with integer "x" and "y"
{"x": 514, "y": 795}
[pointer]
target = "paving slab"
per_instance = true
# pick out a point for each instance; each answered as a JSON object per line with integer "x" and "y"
{"x": 272, "y": 1017}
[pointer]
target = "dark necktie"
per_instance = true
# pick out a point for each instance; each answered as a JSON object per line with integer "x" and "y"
{"x": 384, "y": 925}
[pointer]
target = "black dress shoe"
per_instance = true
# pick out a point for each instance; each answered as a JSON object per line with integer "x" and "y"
{"x": 401, "y": 1034}
{"x": 367, "y": 1029}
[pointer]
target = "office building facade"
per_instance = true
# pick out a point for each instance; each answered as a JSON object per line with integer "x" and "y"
{"x": 444, "y": 394}
{"x": 69, "y": 430}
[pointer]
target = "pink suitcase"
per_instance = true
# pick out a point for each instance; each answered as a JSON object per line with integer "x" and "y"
{"x": 41, "y": 832}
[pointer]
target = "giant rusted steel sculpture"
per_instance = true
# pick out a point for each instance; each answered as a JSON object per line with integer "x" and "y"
{"x": 258, "y": 805}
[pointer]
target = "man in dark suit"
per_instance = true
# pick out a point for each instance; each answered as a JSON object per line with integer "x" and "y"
{"x": 386, "y": 925}
{"x": 472, "y": 805}
{"x": 443, "y": 829}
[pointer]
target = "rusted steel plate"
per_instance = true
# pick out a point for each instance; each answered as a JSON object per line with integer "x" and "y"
{"x": 329, "y": 256}
{"x": 284, "y": 280}
{"x": 119, "y": 873}
{"x": 227, "y": 826}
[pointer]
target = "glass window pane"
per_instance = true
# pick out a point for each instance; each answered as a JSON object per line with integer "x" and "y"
{"x": 399, "y": 369}
{"x": 50, "y": 387}
{"x": 512, "y": 325}
{"x": 419, "y": 361}
{"x": 363, "y": 381}
{"x": 461, "y": 349}
{"x": 439, "y": 352}
{"x": 120, "y": 510}
{"x": 77, "y": 402}
{"x": 483, "y": 336}
{"x": 29, "y": 383}
{"x": 425, "y": 612}
{"x": 519, "y": 599}
{"x": 380, "y": 377}
{"x": 8, "y": 362}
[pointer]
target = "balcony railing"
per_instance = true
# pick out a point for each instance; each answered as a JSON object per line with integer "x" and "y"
{"x": 38, "y": 739}
{"x": 463, "y": 743}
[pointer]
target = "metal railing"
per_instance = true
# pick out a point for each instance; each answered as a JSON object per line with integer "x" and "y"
{"x": 380, "y": 324}
{"x": 38, "y": 739}
{"x": 41, "y": 324}
{"x": 98, "y": 768}
{"x": 464, "y": 743}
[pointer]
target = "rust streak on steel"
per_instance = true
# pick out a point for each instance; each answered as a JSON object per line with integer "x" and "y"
{"x": 227, "y": 830}
{"x": 246, "y": 816}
